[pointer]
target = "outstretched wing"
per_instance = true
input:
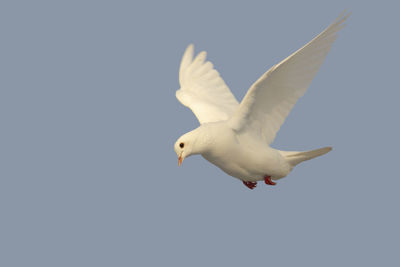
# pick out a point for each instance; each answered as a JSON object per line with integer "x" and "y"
{"x": 203, "y": 90}
{"x": 270, "y": 99}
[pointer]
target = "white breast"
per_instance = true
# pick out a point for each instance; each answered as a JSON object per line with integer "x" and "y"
{"x": 243, "y": 159}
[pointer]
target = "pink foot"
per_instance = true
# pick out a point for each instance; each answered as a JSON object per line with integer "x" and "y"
{"x": 268, "y": 180}
{"x": 250, "y": 185}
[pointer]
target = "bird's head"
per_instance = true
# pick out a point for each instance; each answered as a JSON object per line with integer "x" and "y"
{"x": 184, "y": 146}
{"x": 198, "y": 141}
{"x": 191, "y": 143}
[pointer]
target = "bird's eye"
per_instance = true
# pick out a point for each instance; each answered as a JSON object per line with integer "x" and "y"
{"x": 181, "y": 145}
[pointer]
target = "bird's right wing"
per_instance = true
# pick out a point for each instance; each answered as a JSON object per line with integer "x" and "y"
{"x": 203, "y": 90}
{"x": 270, "y": 99}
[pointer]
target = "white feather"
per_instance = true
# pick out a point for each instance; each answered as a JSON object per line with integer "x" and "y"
{"x": 270, "y": 99}
{"x": 203, "y": 90}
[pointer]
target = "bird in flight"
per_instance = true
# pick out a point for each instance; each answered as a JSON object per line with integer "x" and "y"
{"x": 236, "y": 137}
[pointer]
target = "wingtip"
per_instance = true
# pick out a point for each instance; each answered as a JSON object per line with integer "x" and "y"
{"x": 189, "y": 51}
{"x": 187, "y": 58}
{"x": 190, "y": 47}
{"x": 342, "y": 17}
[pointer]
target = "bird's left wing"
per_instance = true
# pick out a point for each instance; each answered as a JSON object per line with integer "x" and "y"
{"x": 270, "y": 99}
{"x": 203, "y": 90}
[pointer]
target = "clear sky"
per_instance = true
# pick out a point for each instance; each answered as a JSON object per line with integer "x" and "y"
{"x": 89, "y": 117}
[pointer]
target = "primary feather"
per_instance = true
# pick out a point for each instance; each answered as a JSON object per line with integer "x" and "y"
{"x": 270, "y": 99}
{"x": 203, "y": 90}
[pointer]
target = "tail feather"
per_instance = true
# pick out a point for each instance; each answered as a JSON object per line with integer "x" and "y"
{"x": 295, "y": 157}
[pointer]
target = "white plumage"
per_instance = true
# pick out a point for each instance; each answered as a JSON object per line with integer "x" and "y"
{"x": 236, "y": 137}
{"x": 203, "y": 90}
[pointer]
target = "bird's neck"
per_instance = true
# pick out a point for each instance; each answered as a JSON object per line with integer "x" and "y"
{"x": 203, "y": 140}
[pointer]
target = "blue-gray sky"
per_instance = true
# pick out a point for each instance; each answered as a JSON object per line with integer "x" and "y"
{"x": 89, "y": 117}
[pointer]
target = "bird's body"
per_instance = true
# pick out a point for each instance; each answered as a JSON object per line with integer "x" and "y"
{"x": 237, "y": 137}
{"x": 240, "y": 155}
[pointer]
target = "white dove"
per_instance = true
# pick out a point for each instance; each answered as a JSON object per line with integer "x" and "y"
{"x": 237, "y": 137}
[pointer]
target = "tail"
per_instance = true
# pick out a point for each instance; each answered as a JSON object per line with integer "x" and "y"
{"x": 295, "y": 157}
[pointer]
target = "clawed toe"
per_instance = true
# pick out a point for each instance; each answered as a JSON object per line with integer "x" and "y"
{"x": 267, "y": 180}
{"x": 250, "y": 185}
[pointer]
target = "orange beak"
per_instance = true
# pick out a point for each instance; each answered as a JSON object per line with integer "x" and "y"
{"x": 179, "y": 160}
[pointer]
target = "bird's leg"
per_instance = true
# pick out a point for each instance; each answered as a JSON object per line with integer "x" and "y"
{"x": 250, "y": 185}
{"x": 268, "y": 180}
